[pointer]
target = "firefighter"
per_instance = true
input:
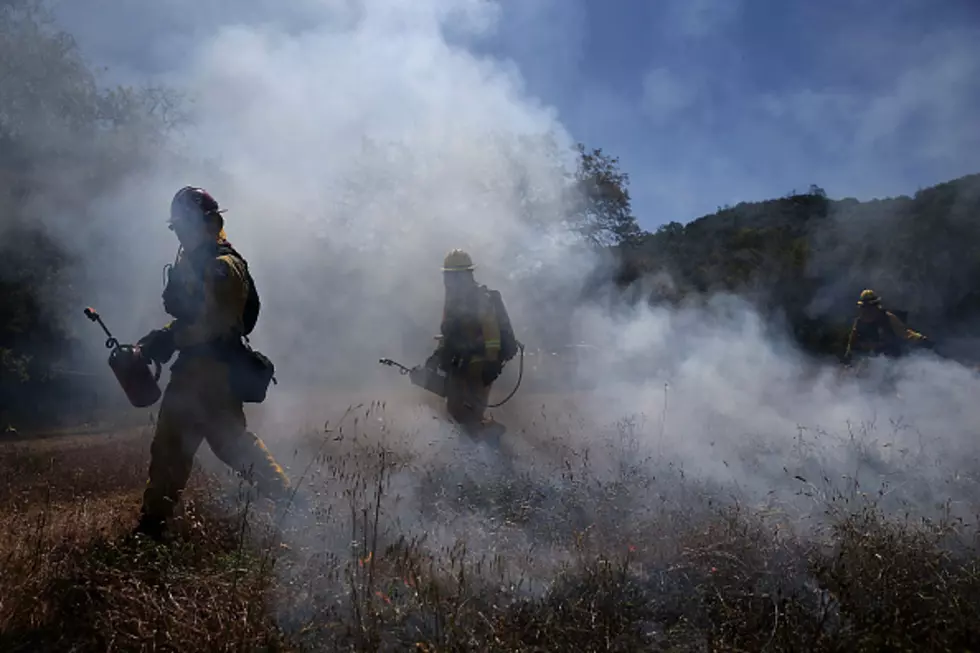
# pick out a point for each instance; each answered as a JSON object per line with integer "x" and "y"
{"x": 469, "y": 347}
{"x": 877, "y": 331}
{"x": 208, "y": 294}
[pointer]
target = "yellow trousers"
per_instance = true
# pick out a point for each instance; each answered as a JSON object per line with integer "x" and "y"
{"x": 199, "y": 405}
{"x": 467, "y": 396}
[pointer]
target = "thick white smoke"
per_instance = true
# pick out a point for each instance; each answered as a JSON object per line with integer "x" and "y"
{"x": 730, "y": 399}
{"x": 352, "y": 149}
{"x": 354, "y": 143}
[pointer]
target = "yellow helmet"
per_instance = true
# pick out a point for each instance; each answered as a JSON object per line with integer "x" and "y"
{"x": 457, "y": 261}
{"x": 869, "y": 298}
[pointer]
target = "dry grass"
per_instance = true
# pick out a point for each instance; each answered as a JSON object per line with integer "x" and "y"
{"x": 401, "y": 552}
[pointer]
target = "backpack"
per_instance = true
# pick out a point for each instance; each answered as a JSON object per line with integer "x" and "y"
{"x": 508, "y": 341}
{"x": 252, "y": 304}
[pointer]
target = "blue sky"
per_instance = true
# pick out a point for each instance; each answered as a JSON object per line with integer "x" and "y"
{"x": 711, "y": 102}
{"x": 706, "y": 102}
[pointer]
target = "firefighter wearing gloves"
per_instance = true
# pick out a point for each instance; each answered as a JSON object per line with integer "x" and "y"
{"x": 878, "y": 331}
{"x": 208, "y": 292}
{"x": 469, "y": 344}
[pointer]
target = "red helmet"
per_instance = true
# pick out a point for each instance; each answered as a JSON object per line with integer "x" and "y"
{"x": 192, "y": 203}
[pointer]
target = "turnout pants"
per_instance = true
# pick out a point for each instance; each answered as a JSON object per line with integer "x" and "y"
{"x": 198, "y": 405}
{"x": 467, "y": 396}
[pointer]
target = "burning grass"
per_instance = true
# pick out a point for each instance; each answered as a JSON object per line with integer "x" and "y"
{"x": 465, "y": 549}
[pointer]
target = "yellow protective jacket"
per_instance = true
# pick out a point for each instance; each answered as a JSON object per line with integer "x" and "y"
{"x": 206, "y": 294}
{"x": 885, "y": 335}
{"x": 470, "y": 329}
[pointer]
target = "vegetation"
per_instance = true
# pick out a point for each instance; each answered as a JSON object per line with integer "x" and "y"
{"x": 602, "y": 551}
{"x": 806, "y": 258}
{"x": 64, "y": 140}
{"x": 602, "y": 209}
{"x": 632, "y": 556}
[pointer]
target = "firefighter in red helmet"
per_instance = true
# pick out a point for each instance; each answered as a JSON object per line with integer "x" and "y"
{"x": 208, "y": 293}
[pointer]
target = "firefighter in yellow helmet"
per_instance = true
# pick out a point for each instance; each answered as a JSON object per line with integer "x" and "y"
{"x": 469, "y": 347}
{"x": 878, "y": 331}
{"x": 210, "y": 294}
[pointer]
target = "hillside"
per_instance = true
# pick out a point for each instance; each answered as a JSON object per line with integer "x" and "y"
{"x": 807, "y": 257}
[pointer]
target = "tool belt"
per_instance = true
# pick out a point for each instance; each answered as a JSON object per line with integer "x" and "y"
{"x": 249, "y": 371}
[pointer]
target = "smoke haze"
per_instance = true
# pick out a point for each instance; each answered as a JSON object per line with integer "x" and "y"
{"x": 353, "y": 144}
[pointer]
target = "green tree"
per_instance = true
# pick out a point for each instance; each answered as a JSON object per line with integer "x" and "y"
{"x": 65, "y": 141}
{"x": 601, "y": 208}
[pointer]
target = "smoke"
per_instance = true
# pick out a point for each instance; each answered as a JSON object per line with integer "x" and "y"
{"x": 876, "y": 244}
{"x": 353, "y": 144}
{"x": 728, "y": 397}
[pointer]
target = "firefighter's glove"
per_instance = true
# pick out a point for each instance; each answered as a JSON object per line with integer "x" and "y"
{"x": 158, "y": 345}
{"x": 491, "y": 370}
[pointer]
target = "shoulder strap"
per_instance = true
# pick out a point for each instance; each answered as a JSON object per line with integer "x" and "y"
{"x": 252, "y": 304}
{"x": 225, "y": 249}
{"x": 490, "y": 299}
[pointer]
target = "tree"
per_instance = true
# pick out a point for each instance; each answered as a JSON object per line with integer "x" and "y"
{"x": 789, "y": 259}
{"x": 64, "y": 141}
{"x": 601, "y": 207}
{"x": 671, "y": 231}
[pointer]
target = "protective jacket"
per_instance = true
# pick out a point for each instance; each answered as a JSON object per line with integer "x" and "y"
{"x": 207, "y": 293}
{"x": 886, "y": 334}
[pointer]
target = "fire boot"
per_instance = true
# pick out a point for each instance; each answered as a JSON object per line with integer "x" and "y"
{"x": 151, "y": 527}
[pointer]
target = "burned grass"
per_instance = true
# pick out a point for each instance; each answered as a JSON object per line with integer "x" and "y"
{"x": 396, "y": 553}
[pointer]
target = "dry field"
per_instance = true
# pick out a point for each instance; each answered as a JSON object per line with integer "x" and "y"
{"x": 407, "y": 536}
